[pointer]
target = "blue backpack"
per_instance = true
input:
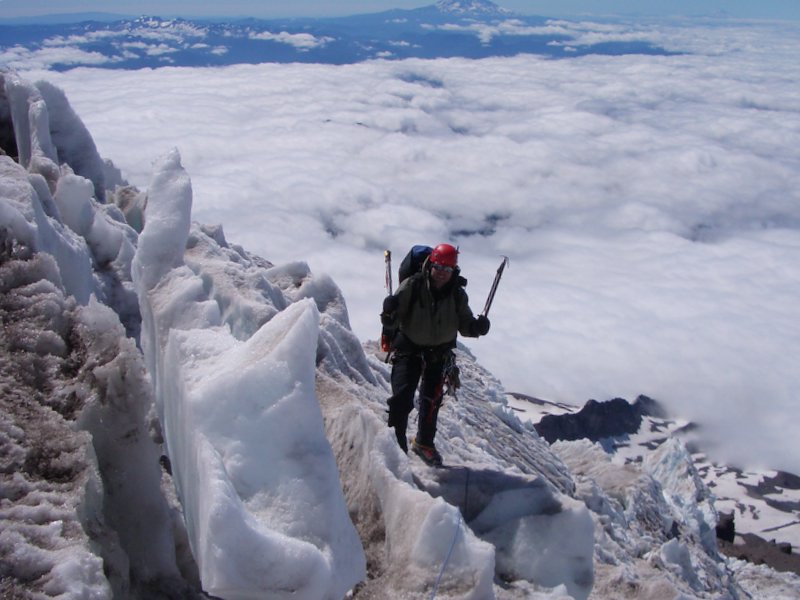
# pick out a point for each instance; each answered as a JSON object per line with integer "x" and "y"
{"x": 412, "y": 262}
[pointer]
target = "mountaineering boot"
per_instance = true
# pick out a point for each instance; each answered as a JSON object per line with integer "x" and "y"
{"x": 399, "y": 425}
{"x": 429, "y": 455}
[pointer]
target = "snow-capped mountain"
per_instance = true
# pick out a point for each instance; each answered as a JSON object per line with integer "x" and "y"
{"x": 472, "y": 8}
{"x": 181, "y": 417}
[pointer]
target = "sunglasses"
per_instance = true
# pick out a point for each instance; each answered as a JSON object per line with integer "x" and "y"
{"x": 442, "y": 268}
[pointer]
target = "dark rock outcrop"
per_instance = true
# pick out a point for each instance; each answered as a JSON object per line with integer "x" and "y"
{"x": 759, "y": 551}
{"x": 599, "y": 420}
{"x": 726, "y": 528}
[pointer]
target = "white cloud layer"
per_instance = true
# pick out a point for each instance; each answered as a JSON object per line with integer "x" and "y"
{"x": 17, "y": 57}
{"x": 650, "y": 205}
{"x": 301, "y": 41}
{"x": 151, "y": 37}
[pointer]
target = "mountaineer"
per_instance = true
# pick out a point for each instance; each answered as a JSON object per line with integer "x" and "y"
{"x": 421, "y": 321}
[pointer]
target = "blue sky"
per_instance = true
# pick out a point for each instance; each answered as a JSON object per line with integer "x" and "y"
{"x": 763, "y": 9}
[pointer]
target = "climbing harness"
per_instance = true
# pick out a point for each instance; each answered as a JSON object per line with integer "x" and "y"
{"x": 451, "y": 376}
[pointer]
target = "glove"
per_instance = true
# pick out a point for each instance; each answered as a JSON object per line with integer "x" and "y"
{"x": 482, "y": 325}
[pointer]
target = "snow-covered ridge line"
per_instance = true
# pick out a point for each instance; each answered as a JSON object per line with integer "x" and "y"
{"x": 84, "y": 514}
{"x": 272, "y": 414}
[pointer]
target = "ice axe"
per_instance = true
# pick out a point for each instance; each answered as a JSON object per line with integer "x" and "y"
{"x": 496, "y": 281}
{"x": 385, "y": 341}
{"x": 387, "y": 258}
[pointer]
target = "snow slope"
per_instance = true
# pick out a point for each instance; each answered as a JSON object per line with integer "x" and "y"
{"x": 285, "y": 480}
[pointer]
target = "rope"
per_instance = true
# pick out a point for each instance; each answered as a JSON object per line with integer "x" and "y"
{"x": 466, "y": 493}
{"x": 453, "y": 543}
{"x": 447, "y": 558}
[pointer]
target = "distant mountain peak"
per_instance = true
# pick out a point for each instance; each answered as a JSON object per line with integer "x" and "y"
{"x": 471, "y": 7}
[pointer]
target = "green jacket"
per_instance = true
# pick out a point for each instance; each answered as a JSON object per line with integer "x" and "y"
{"x": 430, "y": 317}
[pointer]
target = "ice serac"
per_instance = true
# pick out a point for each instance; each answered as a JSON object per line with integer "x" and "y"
{"x": 72, "y": 141}
{"x": 264, "y": 480}
{"x": 25, "y": 215}
{"x": 255, "y": 474}
{"x": 30, "y": 116}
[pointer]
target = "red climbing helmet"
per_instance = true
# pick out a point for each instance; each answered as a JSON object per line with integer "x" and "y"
{"x": 445, "y": 255}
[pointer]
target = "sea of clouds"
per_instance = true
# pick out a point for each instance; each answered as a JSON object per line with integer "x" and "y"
{"x": 649, "y": 205}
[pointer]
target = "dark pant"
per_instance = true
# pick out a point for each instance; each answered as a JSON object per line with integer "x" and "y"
{"x": 407, "y": 369}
